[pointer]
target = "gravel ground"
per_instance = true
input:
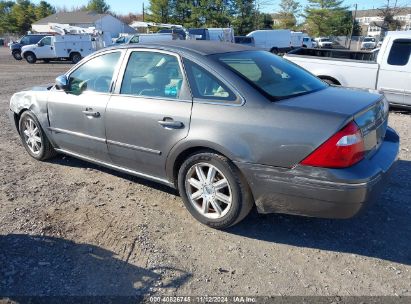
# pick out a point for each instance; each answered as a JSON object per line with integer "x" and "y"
{"x": 71, "y": 228}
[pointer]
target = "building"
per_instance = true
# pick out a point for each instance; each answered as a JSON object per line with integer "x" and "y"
{"x": 85, "y": 19}
{"x": 371, "y": 21}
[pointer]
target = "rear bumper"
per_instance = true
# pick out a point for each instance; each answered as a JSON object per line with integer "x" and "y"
{"x": 321, "y": 192}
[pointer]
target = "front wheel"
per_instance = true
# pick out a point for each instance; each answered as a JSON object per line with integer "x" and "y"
{"x": 33, "y": 138}
{"x": 31, "y": 58}
{"x": 213, "y": 190}
{"x": 17, "y": 55}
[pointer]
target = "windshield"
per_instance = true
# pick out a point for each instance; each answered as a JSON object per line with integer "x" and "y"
{"x": 273, "y": 76}
{"x": 369, "y": 39}
{"x": 325, "y": 40}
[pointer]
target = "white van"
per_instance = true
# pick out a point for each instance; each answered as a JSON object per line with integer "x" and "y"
{"x": 221, "y": 34}
{"x": 70, "y": 47}
{"x": 297, "y": 39}
{"x": 275, "y": 41}
{"x": 147, "y": 38}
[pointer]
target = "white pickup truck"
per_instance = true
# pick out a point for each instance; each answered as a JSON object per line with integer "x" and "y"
{"x": 387, "y": 69}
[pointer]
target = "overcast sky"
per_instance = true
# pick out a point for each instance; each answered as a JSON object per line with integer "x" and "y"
{"x": 135, "y": 6}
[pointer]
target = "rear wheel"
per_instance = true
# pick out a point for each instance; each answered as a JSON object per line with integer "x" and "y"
{"x": 75, "y": 57}
{"x": 17, "y": 55}
{"x": 30, "y": 57}
{"x": 275, "y": 50}
{"x": 34, "y": 140}
{"x": 213, "y": 190}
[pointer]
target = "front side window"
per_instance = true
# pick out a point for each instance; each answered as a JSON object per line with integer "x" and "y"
{"x": 45, "y": 41}
{"x": 400, "y": 52}
{"x": 152, "y": 74}
{"x": 273, "y": 76}
{"x": 95, "y": 75}
{"x": 204, "y": 85}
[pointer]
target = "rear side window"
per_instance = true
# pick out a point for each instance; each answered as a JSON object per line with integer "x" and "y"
{"x": 205, "y": 85}
{"x": 152, "y": 74}
{"x": 135, "y": 39}
{"x": 400, "y": 52}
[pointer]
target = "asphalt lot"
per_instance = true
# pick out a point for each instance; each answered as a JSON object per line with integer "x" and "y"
{"x": 71, "y": 228}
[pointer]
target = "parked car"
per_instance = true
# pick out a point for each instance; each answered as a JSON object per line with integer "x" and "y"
{"x": 244, "y": 40}
{"x": 62, "y": 47}
{"x": 178, "y": 32}
{"x": 229, "y": 126}
{"x": 199, "y": 34}
{"x": 369, "y": 43}
{"x": 308, "y": 42}
{"x": 324, "y": 42}
{"x": 221, "y": 34}
{"x": 150, "y": 38}
{"x": 15, "y": 47}
{"x": 275, "y": 41}
{"x": 387, "y": 69}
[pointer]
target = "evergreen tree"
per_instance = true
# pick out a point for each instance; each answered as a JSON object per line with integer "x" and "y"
{"x": 327, "y": 17}
{"x": 44, "y": 9}
{"x": 98, "y": 6}
{"x": 244, "y": 18}
{"x": 288, "y": 14}
{"x": 5, "y": 16}
{"x": 23, "y": 15}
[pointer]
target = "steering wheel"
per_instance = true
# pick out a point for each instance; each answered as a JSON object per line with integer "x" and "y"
{"x": 102, "y": 83}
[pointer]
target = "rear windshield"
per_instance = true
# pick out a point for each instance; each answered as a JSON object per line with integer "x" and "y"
{"x": 273, "y": 76}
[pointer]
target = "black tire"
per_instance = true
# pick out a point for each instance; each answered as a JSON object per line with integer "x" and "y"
{"x": 30, "y": 57}
{"x": 329, "y": 81}
{"x": 46, "y": 150}
{"x": 242, "y": 201}
{"x": 75, "y": 58}
{"x": 275, "y": 51}
{"x": 17, "y": 55}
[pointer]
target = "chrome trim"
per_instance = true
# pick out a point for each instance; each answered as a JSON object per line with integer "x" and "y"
{"x": 151, "y": 97}
{"x": 393, "y": 91}
{"x": 114, "y": 167}
{"x": 82, "y": 135}
{"x": 128, "y": 146}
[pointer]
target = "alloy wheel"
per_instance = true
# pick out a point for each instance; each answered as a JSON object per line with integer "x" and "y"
{"x": 32, "y": 136}
{"x": 208, "y": 190}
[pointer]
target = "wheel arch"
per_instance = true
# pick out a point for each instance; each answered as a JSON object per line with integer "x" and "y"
{"x": 329, "y": 78}
{"x": 180, "y": 153}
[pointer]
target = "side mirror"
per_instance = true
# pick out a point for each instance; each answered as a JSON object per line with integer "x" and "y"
{"x": 40, "y": 44}
{"x": 62, "y": 83}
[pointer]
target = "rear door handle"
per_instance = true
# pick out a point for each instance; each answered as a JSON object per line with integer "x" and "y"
{"x": 89, "y": 112}
{"x": 170, "y": 123}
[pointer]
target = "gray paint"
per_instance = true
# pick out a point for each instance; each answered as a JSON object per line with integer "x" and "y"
{"x": 266, "y": 140}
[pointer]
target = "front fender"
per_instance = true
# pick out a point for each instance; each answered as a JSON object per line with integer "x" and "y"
{"x": 35, "y": 101}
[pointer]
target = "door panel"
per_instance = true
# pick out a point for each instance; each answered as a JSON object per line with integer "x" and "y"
{"x": 76, "y": 131}
{"x": 135, "y": 137}
{"x": 149, "y": 113}
{"x": 393, "y": 78}
{"x": 77, "y": 117}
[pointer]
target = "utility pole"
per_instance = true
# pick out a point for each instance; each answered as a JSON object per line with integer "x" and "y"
{"x": 143, "y": 12}
{"x": 352, "y": 27}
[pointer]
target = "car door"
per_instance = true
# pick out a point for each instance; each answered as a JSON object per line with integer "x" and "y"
{"x": 149, "y": 112}
{"x": 45, "y": 48}
{"x": 394, "y": 75}
{"x": 77, "y": 116}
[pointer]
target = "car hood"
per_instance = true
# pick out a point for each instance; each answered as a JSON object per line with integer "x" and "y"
{"x": 336, "y": 100}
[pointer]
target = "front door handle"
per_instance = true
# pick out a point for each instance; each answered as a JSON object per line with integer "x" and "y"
{"x": 89, "y": 112}
{"x": 170, "y": 123}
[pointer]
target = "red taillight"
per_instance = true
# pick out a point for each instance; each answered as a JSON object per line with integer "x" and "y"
{"x": 342, "y": 150}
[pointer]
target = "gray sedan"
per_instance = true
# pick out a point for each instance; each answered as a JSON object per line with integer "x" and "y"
{"x": 227, "y": 125}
